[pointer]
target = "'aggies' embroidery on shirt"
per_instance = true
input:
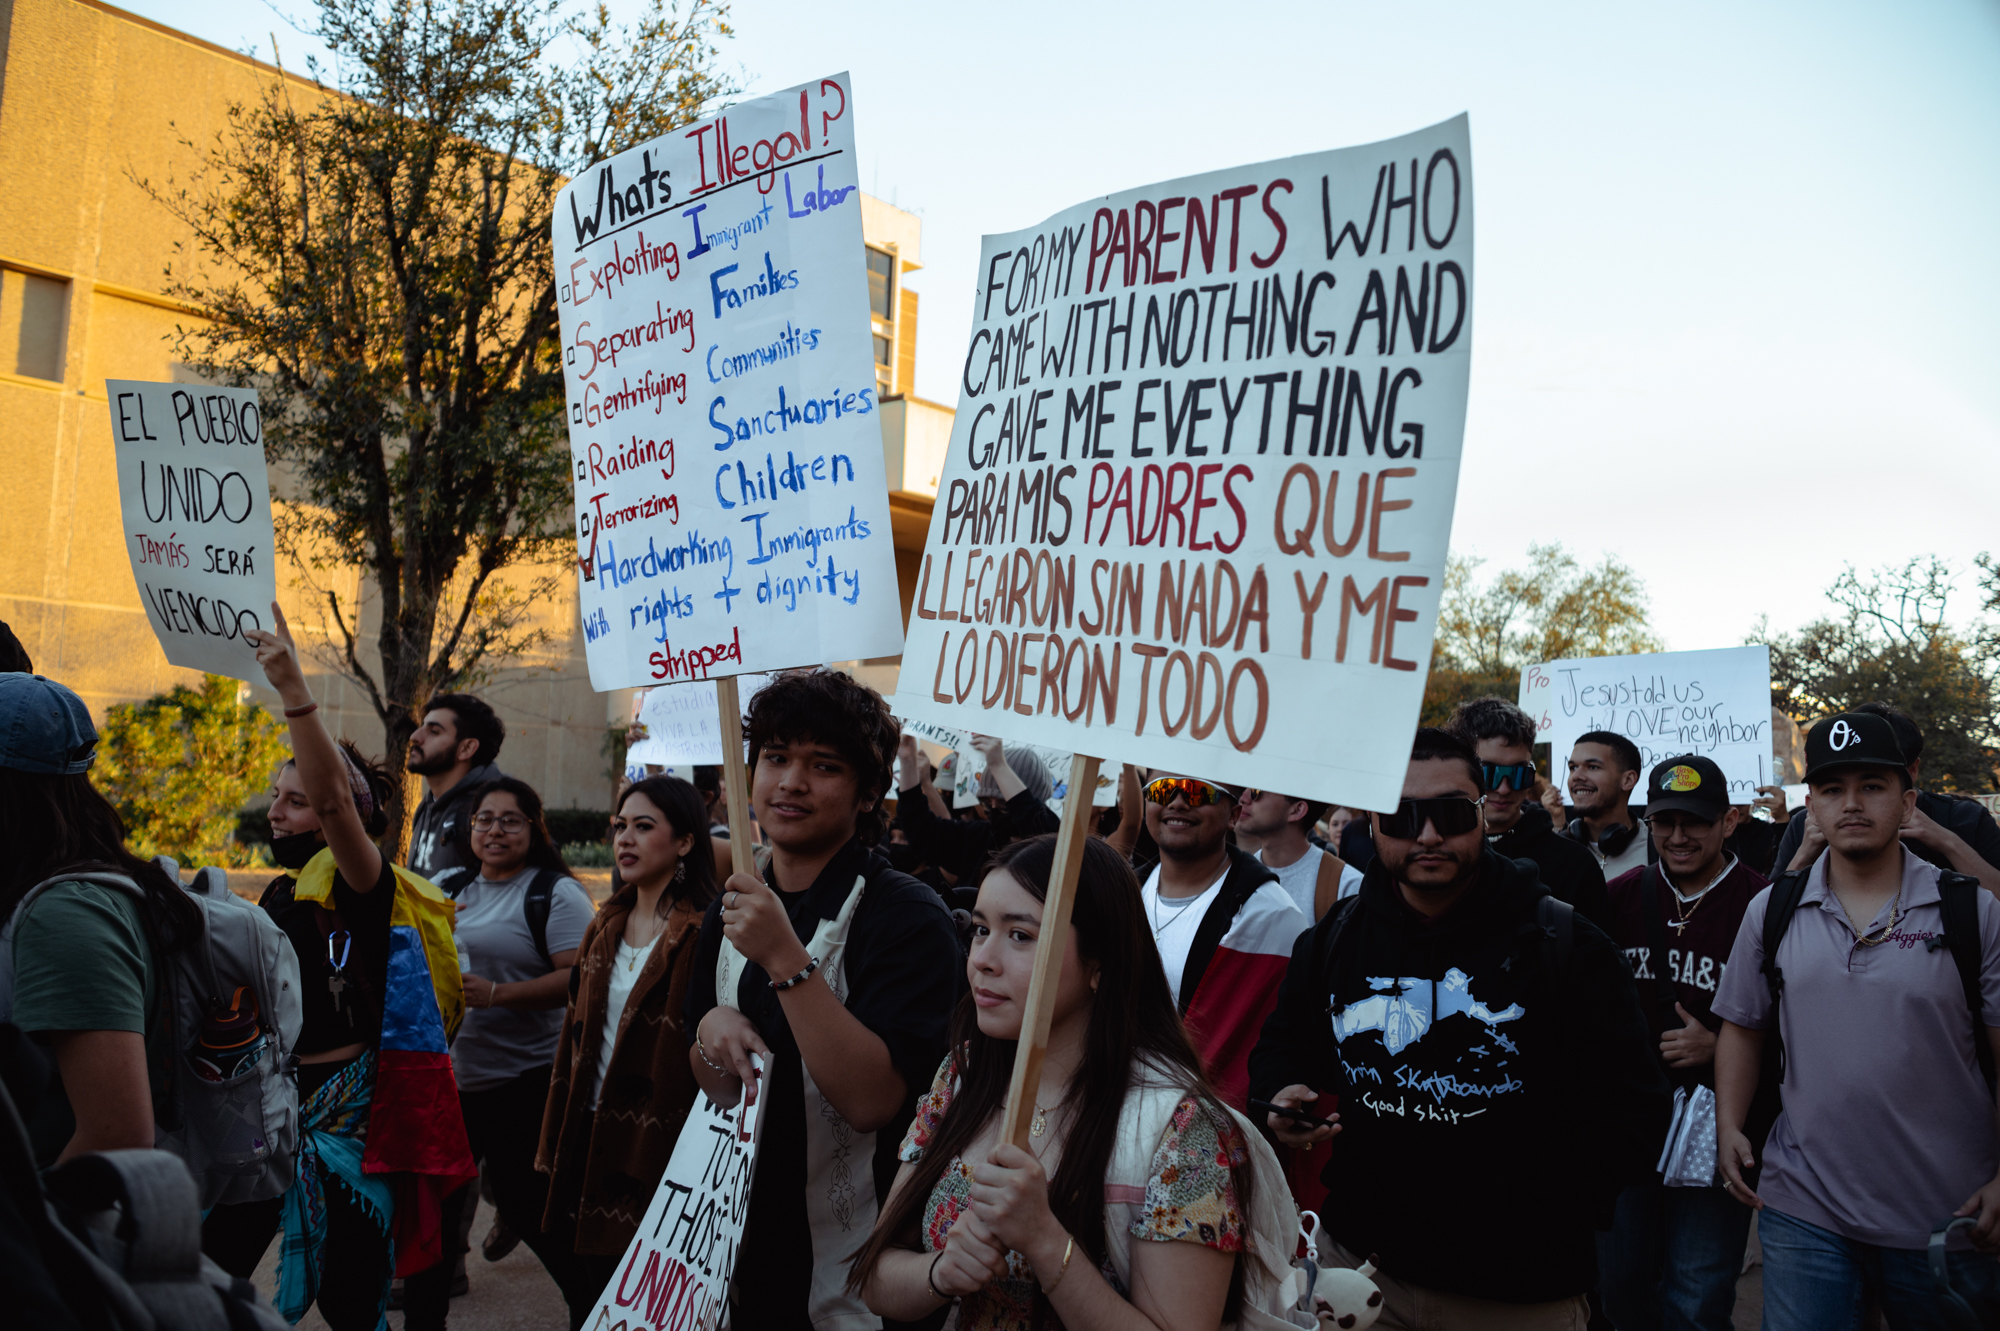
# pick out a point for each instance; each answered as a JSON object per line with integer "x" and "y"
{"x": 1909, "y": 938}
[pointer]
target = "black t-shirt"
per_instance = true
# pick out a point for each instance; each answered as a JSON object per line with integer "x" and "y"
{"x": 364, "y": 916}
{"x": 900, "y": 962}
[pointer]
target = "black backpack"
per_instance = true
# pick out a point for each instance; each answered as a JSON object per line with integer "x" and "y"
{"x": 535, "y": 905}
{"x": 1958, "y": 901}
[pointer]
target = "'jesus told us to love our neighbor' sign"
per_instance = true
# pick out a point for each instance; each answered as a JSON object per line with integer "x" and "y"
{"x": 1714, "y": 703}
{"x": 196, "y": 501}
{"x": 731, "y": 508}
{"x": 1201, "y": 478}
{"x": 677, "y": 1269}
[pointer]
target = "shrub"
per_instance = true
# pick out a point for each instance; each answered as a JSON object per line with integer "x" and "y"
{"x": 574, "y": 825}
{"x": 180, "y": 765}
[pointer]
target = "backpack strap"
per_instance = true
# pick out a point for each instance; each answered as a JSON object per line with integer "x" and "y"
{"x": 1656, "y": 940}
{"x": 1958, "y": 899}
{"x": 1778, "y": 911}
{"x": 535, "y": 905}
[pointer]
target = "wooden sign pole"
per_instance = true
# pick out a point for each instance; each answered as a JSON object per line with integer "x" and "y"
{"x": 735, "y": 781}
{"x": 1049, "y": 949}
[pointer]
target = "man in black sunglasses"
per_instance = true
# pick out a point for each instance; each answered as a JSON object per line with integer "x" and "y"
{"x": 1517, "y": 824}
{"x": 1485, "y": 1060}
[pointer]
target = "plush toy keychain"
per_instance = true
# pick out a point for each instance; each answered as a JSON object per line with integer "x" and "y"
{"x": 1341, "y": 1297}
{"x": 1346, "y": 1298}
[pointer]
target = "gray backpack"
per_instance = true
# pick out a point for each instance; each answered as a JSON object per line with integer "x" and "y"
{"x": 238, "y": 1136}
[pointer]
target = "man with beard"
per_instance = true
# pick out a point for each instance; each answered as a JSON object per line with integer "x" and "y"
{"x": 1280, "y": 826}
{"x": 1494, "y": 1074}
{"x": 1517, "y": 824}
{"x": 1604, "y": 768}
{"x": 454, "y": 751}
{"x": 1221, "y": 921}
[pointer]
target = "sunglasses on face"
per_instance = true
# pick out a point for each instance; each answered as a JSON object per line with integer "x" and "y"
{"x": 1197, "y": 793}
{"x": 1452, "y": 816}
{"x": 1518, "y": 775}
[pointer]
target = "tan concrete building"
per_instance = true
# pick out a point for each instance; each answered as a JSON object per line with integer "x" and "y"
{"x": 91, "y": 100}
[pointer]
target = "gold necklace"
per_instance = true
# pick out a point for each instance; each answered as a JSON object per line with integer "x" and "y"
{"x": 1895, "y": 914}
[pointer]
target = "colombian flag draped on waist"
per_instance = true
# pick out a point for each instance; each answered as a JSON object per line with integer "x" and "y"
{"x": 415, "y": 1129}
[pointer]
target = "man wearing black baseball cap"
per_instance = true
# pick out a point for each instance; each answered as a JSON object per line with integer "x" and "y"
{"x": 1951, "y": 831}
{"x": 1878, "y": 977}
{"x": 1680, "y": 1249}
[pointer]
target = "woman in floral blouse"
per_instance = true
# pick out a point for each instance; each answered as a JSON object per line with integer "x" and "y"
{"x": 1053, "y": 1236}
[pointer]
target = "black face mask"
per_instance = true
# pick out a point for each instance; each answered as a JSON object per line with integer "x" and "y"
{"x": 294, "y": 852}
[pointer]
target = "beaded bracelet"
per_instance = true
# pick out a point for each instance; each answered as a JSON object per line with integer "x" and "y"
{"x": 812, "y": 964}
{"x": 706, "y": 1059}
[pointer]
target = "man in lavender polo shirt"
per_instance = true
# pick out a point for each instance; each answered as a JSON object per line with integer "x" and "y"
{"x": 1888, "y": 1127}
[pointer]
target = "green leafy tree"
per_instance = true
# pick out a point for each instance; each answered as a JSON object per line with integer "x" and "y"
{"x": 374, "y": 257}
{"x": 180, "y": 765}
{"x": 1889, "y": 641}
{"x": 1552, "y": 609}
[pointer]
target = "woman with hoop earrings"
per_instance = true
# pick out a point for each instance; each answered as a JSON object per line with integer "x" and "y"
{"x": 621, "y": 1087}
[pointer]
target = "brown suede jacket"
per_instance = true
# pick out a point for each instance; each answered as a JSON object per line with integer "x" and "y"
{"x": 605, "y": 1165}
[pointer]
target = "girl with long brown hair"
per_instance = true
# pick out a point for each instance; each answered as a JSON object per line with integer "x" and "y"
{"x": 1129, "y": 1141}
{"x": 621, "y": 1086}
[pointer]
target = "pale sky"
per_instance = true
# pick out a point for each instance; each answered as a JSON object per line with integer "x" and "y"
{"x": 1737, "y": 283}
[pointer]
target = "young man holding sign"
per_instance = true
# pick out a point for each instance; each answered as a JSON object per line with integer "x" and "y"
{"x": 1495, "y": 1077}
{"x": 838, "y": 969}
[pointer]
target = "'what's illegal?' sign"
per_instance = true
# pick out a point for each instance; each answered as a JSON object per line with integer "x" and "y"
{"x": 196, "y": 502}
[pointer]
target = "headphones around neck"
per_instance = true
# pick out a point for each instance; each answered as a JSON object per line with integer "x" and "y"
{"x": 1952, "y": 1306}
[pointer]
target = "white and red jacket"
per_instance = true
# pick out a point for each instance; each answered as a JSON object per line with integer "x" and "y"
{"x": 1234, "y": 967}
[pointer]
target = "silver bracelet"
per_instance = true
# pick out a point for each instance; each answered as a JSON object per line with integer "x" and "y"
{"x": 812, "y": 964}
{"x": 706, "y": 1059}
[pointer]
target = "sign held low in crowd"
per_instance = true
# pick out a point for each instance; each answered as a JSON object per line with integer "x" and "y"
{"x": 1715, "y": 703}
{"x": 1202, "y": 473}
{"x": 732, "y": 512}
{"x": 676, "y": 1272}
{"x": 196, "y": 500}
{"x": 683, "y": 728}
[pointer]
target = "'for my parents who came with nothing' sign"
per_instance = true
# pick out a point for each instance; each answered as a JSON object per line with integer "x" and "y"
{"x": 1201, "y": 478}
{"x": 197, "y": 507}
{"x": 731, "y": 509}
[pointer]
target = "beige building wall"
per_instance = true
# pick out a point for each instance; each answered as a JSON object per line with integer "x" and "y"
{"x": 92, "y": 97}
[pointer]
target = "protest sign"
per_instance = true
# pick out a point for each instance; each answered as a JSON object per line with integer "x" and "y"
{"x": 731, "y": 507}
{"x": 1202, "y": 473}
{"x": 1715, "y": 703}
{"x": 682, "y": 726}
{"x": 197, "y": 507}
{"x": 677, "y": 1269}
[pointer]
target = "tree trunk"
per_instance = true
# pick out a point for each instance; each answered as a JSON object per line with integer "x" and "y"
{"x": 405, "y": 790}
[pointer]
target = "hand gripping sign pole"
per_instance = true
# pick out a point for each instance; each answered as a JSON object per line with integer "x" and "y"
{"x": 735, "y": 785}
{"x": 1049, "y": 949}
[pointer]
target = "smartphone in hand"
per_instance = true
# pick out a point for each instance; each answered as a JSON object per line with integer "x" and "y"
{"x": 1296, "y": 1115}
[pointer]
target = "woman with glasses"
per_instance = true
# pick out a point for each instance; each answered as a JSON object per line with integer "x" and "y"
{"x": 521, "y": 917}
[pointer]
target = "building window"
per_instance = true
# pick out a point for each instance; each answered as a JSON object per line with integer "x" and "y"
{"x": 882, "y": 349}
{"x": 31, "y": 324}
{"x": 881, "y": 283}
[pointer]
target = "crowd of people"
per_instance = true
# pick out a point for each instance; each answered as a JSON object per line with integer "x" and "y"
{"x": 1540, "y": 1062}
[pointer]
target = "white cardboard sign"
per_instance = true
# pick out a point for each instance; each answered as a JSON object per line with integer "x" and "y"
{"x": 1714, "y": 703}
{"x": 1201, "y": 477}
{"x": 731, "y": 508}
{"x": 683, "y": 727}
{"x": 677, "y": 1270}
{"x": 196, "y": 500}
